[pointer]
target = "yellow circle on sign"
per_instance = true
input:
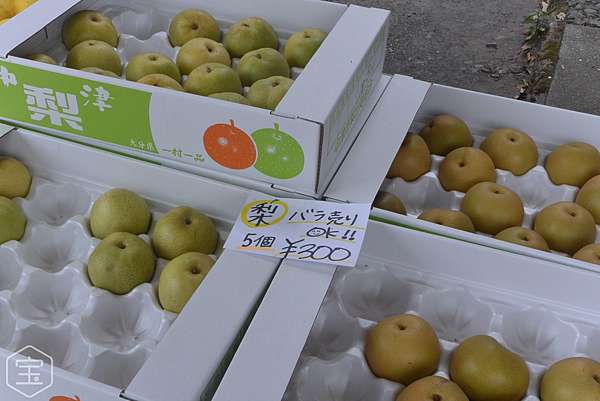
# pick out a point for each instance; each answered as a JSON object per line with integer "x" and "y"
{"x": 264, "y": 213}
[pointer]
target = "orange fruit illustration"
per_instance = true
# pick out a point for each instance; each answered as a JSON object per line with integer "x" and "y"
{"x": 229, "y": 146}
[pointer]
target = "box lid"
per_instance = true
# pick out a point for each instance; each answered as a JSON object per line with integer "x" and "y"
{"x": 37, "y": 16}
{"x": 364, "y": 169}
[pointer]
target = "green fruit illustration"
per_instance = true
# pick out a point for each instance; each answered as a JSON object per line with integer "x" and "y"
{"x": 279, "y": 154}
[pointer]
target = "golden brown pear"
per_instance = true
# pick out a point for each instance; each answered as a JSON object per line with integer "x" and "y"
{"x": 465, "y": 167}
{"x": 390, "y": 202}
{"x": 573, "y": 164}
{"x": 566, "y": 227}
{"x": 432, "y": 388}
{"x": 572, "y": 379}
{"x": 511, "y": 150}
{"x": 523, "y": 236}
{"x": 589, "y": 197}
{"x": 412, "y": 160}
{"x": 492, "y": 207}
{"x": 403, "y": 348}
{"x": 444, "y": 133}
{"x": 487, "y": 371}
{"x": 448, "y": 218}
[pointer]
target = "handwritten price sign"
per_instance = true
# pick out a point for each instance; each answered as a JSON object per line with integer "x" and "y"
{"x": 307, "y": 230}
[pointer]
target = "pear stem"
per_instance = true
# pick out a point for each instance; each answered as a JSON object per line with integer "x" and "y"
{"x": 232, "y": 123}
{"x": 277, "y": 126}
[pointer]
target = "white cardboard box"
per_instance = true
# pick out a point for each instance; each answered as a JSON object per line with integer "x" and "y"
{"x": 323, "y": 112}
{"x": 190, "y": 358}
{"x": 541, "y": 310}
{"x": 548, "y": 126}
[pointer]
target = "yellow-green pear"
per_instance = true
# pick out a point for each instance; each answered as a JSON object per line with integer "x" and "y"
{"x": 93, "y": 53}
{"x": 121, "y": 262}
{"x": 119, "y": 210}
{"x": 15, "y": 179}
{"x": 89, "y": 25}
{"x": 184, "y": 230}
{"x": 268, "y": 92}
{"x": 250, "y": 34}
{"x": 100, "y": 71}
{"x": 301, "y": 46}
{"x": 12, "y": 221}
{"x": 180, "y": 279}
{"x": 200, "y": 51}
{"x": 151, "y": 63}
{"x": 193, "y": 23}
{"x": 213, "y": 78}
{"x": 260, "y": 64}
{"x": 161, "y": 81}
{"x": 231, "y": 97}
{"x": 42, "y": 58}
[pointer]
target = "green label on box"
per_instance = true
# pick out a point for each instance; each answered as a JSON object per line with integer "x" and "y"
{"x": 85, "y": 107}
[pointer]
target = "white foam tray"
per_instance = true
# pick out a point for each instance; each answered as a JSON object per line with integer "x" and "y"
{"x": 47, "y": 300}
{"x": 549, "y": 127}
{"x": 542, "y": 311}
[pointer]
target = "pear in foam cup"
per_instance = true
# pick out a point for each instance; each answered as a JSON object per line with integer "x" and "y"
{"x": 200, "y": 51}
{"x": 121, "y": 262}
{"x": 161, "y": 81}
{"x": 268, "y": 93}
{"x": 15, "y": 179}
{"x": 181, "y": 278}
{"x": 151, "y": 63}
{"x": 93, "y": 53}
{"x": 12, "y": 221}
{"x": 89, "y": 25}
{"x": 302, "y": 46}
{"x": 260, "y": 64}
{"x": 184, "y": 230}
{"x": 119, "y": 210}
{"x": 250, "y": 34}
{"x": 193, "y": 23}
{"x": 213, "y": 78}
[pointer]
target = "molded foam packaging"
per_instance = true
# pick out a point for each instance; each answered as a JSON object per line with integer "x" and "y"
{"x": 102, "y": 344}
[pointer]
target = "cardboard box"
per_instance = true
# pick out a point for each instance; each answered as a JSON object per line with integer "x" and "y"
{"x": 321, "y": 114}
{"x": 185, "y": 360}
{"x": 549, "y": 127}
{"x": 307, "y": 338}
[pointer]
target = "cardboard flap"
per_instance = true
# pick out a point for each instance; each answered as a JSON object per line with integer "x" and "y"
{"x": 367, "y": 164}
{"x": 268, "y": 353}
{"x": 195, "y": 345}
{"x": 37, "y": 16}
{"x": 326, "y": 76}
